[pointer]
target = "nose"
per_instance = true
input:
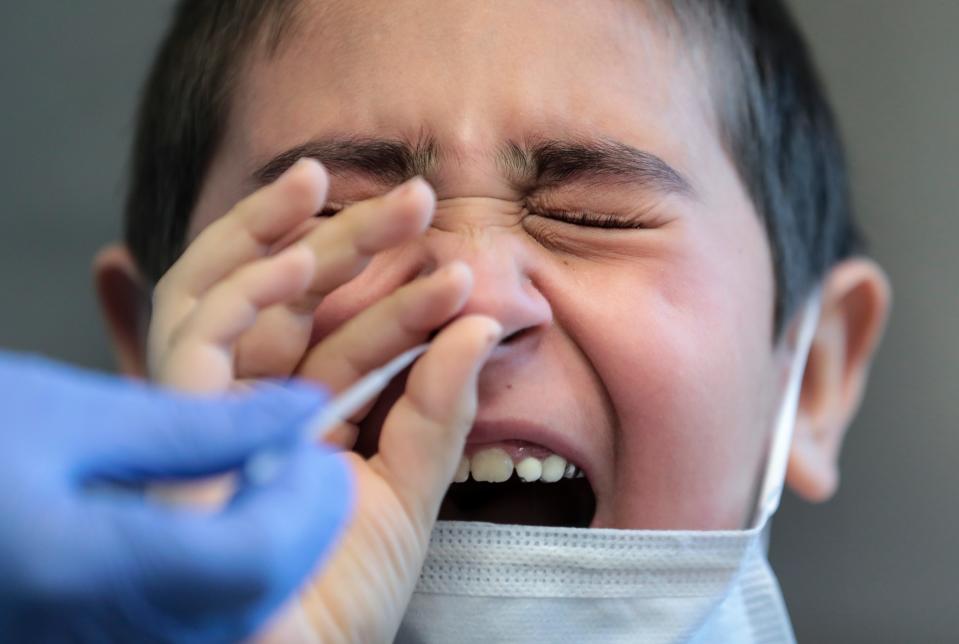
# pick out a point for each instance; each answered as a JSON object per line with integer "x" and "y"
{"x": 503, "y": 283}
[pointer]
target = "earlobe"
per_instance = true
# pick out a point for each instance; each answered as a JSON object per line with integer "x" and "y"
{"x": 125, "y": 304}
{"x": 856, "y": 298}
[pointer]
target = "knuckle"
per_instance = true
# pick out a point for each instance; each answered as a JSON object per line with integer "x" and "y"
{"x": 177, "y": 334}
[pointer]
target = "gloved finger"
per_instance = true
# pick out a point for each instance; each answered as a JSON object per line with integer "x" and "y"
{"x": 146, "y": 434}
{"x": 342, "y": 246}
{"x": 390, "y": 326}
{"x": 231, "y": 307}
{"x": 424, "y": 434}
{"x": 248, "y": 558}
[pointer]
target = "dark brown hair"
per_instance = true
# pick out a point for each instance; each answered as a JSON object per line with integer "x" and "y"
{"x": 776, "y": 124}
{"x": 183, "y": 112}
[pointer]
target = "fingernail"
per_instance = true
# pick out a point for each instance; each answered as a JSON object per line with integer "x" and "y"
{"x": 300, "y": 164}
{"x": 407, "y": 187}
{"x": 495, "y": 332}
{"x": 302, "y": 161}
{"x": 456, "y": 266}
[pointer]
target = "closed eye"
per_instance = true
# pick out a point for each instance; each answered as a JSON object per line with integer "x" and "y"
{"x": 572, "y": 217}
{"x": 329, "y": 210}
{"x": 582, "y": 218}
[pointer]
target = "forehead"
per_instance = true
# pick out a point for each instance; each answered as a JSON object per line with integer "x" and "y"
{"x": 472, "y": 74}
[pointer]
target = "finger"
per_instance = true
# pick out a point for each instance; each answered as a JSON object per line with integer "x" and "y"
{"x": 389, "y": 327}
{"x": 245, "y": 560}
{"x": 343, "y": 246}
{"x": 249, "y": 230}
{"x": 146, "y": 434}
{"x": 242, "y": 235}
{"x": 209, "y": 334}
{"x": 342, "y": 437}
{"x": 424, "y": 434}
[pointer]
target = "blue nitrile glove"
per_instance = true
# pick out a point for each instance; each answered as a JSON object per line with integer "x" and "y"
{"x": 80, "y": 561}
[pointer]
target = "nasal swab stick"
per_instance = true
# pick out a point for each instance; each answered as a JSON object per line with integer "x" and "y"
{"x": 264, "y": 465}
{"x": 362, "y": 392}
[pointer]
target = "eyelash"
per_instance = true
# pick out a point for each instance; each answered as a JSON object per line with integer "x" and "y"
{"x": 580, "y": 218}
{"x": 328, "y": 212}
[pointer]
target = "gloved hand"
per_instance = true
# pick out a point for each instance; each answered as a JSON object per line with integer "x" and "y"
{"x": 80, "y": 561}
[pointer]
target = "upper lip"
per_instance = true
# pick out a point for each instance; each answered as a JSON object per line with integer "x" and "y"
{"x": 491, "y": 431}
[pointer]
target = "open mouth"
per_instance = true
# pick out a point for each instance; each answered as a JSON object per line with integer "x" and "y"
{"x": 519, "y": 483}
{"x": 512, "y": 471}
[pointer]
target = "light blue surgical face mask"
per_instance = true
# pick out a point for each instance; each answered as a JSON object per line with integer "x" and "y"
{"x": 490, "y": 583}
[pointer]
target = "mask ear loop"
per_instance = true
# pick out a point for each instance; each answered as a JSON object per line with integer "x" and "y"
{"x": 775, "y": 476}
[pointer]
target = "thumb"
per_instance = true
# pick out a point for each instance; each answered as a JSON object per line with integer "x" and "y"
{"x": 147, "y": 433}
{"x": 424, "y": 434}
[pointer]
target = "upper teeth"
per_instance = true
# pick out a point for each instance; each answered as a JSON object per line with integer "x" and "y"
{"x": 530, "y": 469}
{"x": 491, "y": 465}
{"x": 495, "y": 465}
{"x": 553, "y": 468}
{"x": 462, "y": 471}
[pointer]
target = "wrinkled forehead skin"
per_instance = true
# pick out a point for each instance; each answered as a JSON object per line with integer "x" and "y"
{"x": 472, "y": 76}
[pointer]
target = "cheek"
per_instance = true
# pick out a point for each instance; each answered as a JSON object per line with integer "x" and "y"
{"x": 682, "y": 340}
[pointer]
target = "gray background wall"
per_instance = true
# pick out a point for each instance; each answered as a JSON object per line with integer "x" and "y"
{"x": 878, "y": 563}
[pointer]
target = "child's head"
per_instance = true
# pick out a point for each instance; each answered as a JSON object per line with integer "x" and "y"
{"x": 645, "y": 191}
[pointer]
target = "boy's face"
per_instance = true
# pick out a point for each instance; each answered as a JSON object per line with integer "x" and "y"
{"x": 643, "y": 354}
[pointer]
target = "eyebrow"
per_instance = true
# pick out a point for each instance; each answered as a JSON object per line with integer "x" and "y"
{"x": 539, "y": 164}
{"x": 602, "y": 161}
{"x": 383, "y": 160}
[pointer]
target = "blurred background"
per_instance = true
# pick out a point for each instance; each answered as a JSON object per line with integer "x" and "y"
{"x": 879, "y": 562}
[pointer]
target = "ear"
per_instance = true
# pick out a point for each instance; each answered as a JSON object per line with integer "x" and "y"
{"x": 125, "y": 304}
{"x": 856, "y": 298}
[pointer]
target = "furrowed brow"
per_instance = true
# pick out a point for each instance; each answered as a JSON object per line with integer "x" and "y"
{"x": 385, "y": 161}
{"x": 553, "y": 162}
